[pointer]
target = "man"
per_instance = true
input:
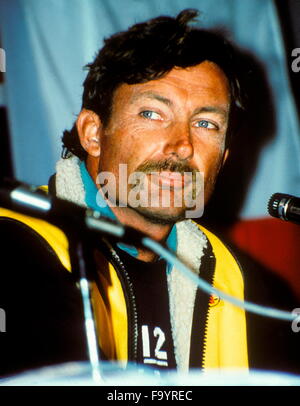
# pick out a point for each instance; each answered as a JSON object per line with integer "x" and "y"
{"x": 160, "y": 104}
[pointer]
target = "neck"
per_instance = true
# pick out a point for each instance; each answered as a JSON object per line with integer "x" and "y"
{"x": 158, "y": 232}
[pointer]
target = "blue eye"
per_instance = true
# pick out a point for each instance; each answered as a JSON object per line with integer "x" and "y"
{"x": 205, "y": 124}
{"x": 150, "y": 115}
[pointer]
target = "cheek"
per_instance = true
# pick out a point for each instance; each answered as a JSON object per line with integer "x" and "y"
{"x": 117, "y": 148}
{"x": 211, "y": 174}
{"x": 210, "y": 163}
{"x": 210, "y": 156}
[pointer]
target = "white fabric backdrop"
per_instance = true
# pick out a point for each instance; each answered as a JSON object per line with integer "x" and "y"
{"x": 47, "y": 42}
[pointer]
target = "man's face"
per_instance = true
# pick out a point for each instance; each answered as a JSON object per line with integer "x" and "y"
{"x": 168, "y": 126}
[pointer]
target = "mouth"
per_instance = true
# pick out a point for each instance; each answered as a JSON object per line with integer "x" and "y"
{"x": 170, "y": 180}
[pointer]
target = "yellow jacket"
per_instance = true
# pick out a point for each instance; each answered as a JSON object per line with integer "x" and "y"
{"x": 219, "y": 331}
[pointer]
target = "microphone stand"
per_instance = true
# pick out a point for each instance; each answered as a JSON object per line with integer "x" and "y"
{"x": 81, "y": 262}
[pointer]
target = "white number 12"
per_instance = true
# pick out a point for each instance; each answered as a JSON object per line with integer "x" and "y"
{"x": 161, "y": 338}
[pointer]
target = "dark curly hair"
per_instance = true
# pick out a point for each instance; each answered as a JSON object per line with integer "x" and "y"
{"x": 147, "y": 51}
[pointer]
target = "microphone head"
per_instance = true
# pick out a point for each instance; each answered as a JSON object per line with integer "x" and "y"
{"x": 273, "y": 204}
{"x": 278, "y": 204}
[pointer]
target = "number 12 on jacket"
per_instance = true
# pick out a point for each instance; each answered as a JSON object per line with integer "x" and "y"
{"x": 154, "y": 338}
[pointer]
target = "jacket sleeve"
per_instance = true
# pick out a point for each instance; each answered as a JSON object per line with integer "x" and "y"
{"x": 44, "y": 321}
{"x": 272, "y": 344}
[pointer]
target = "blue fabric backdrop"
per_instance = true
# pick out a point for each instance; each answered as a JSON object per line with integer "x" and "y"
{"x": 47, "y": 42}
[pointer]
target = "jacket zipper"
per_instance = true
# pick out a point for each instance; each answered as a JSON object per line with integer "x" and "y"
{"x": 198, "y": 346}
{"x": 130, "y": 301}
{"x": 206, "y": 325}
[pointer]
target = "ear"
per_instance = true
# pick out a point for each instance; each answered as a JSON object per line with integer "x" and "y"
{"x": 89, "y": 129}
{"x": 225, "y": 156}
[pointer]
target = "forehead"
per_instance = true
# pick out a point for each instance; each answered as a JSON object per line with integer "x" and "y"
{"x": 203, "y": 82}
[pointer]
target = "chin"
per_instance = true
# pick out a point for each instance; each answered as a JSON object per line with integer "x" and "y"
{"x": 161, "y": 216}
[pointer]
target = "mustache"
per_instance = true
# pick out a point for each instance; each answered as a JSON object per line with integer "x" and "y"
{"x": 166, "y": 165}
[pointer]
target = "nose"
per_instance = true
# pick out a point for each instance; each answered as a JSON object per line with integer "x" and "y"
{"x": 179, "y": 144}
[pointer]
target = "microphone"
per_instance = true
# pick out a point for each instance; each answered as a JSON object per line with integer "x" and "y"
{"x": 32, "y": 201}
{"x": 285, "y": 207}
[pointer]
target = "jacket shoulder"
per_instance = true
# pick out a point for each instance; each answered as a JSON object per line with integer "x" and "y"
{"x": 46, "y": 233}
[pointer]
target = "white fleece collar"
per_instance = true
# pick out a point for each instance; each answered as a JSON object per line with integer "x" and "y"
{"x": 190, "y": 247}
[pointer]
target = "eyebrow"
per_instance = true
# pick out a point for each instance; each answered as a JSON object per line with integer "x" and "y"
{"x": 211, "y": 109}
{"x": 205, "y": 109}
{"x": 151, "y": 95}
